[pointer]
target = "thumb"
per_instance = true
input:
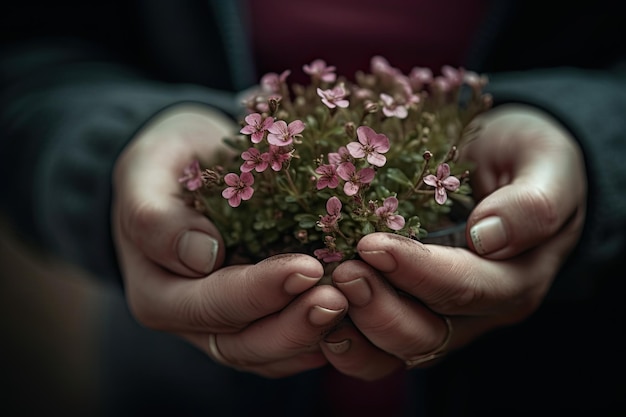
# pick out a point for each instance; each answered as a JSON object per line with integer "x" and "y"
{"x": 149, "y": 211}
{"x": 171, "y": 234}
{"x": 531, "y": 177}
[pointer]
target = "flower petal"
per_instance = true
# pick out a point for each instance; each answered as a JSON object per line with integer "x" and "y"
{"x": 451, "y": 183}
{"x": 395, "y": 222}
{"x": 430, "y": 180}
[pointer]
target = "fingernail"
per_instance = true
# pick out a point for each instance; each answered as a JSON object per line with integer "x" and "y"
{"x": 357, "y": 291}
{"x": 338, "y": 347}
{"x": 198, "y": 251}
{"x": 380, "y": 259}
{"x": 488, "y": 235}
{"x": 321, "y": 316}
{"x": 297, "y": 283}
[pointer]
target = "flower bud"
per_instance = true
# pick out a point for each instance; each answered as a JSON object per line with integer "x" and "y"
{"x": 210, "y": 177}
{"x": 329, "y": 241}
{"x": 273, "y": 102}
{"x": 371, "y": 107}
{"x": 452, "y": 154}
{"x": 350, "y": 129}
{"x": 302, "y": 235}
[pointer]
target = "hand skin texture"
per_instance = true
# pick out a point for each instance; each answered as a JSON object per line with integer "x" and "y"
{"x": 530, "y": 174}
{"x": 269, "y": 318}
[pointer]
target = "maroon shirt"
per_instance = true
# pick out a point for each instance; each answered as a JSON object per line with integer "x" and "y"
{"x": 346, "y": 33}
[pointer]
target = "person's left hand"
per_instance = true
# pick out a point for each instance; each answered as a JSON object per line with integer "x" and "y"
{"x": 266, "y": 318}
{"x": 412, "y": 302}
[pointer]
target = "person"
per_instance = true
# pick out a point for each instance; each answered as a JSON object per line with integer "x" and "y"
{"x": 103, "y": 104}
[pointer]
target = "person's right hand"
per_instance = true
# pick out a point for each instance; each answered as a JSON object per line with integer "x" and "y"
{"x": 266, "y": 318}
{"x": 412, "y": 302}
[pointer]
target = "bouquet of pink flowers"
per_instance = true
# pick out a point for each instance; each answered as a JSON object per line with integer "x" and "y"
{"x": 318, "y": 166}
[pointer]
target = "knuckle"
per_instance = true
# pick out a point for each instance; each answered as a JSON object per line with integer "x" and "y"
{"x": 141, "y": 219}
{"x": 541, "y": 209}
{"x": 201, "y": 311}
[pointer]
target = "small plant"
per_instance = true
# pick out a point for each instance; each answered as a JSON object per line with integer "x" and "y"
{"x": 318, "y": 166}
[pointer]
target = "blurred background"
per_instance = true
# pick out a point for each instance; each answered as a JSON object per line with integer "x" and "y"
{"x": 48, "y": 348}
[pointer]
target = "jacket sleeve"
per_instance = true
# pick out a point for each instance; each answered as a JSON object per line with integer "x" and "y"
{"x": 592, "y": 105}
{"x": 65, "y": 114}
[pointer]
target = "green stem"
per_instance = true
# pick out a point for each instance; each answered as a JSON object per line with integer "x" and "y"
{"x": 294, "y": 191}
{"x": 416, "y": 188}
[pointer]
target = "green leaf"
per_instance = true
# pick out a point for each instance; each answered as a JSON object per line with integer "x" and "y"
{"x": 306, "y": 220}
{"x": 306, "y": 224}
{"x": 398, "y": 176}
{"x": 368, "y": 228}
{"x": 302, "y": 217}
{"x": 264, "y": 224}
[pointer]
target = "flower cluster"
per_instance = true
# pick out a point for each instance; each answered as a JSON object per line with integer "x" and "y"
{"x": 316, "y": 167}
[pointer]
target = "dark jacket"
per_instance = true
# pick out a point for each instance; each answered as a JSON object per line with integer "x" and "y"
{"x": 78, "y": 80}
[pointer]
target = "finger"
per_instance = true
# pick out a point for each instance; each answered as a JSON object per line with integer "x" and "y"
{"x": 275, "y": 340}
{"x": 476, "y": 294}
{"x": 393, "y": 322}
{"x": 530, "y": 176}
{"x": 455, "y": 281}
{"x": 293, "y": 365}
{"x": 227, "y": 300}
{"x": 148, "y": 202}
{"x": 352, "y": 354}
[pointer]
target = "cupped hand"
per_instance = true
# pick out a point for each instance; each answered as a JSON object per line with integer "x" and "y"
{"x": 411, "y": 301}
{"x": 266, "y": 318}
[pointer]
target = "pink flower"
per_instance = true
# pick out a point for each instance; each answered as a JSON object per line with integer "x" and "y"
{"x": 392, "y": 108}
{"x": 333, "y": 207}
{"x": 475, "y": 81}
{"x": 334, "y": 97}
{"x": 442, "y": 85}
{"x": 420, "y": 77}
{"x": 341, "y": 156}
{"x": 319, "y": 70}
{"x": 371, "y": 144}
{"x": 381, "y": 67}
{"x": 257, "y": 126}
{"x": 272, "y": 81}
{"x": 442, "y": 182}
{"x": 387, "y": 213}
{"x": 282, "y": 134}
{"x": 328, "y": 255}
{"x": 255, "y": 102}
{"x": 328, "y": 223}
{"x": 240, "y": 188}
{"x": 254, "y": 160}
{"x": 192, "y": 176}
{"x": 328, "y": 177}
{"x": 354, "y": 180}
{"x": 277, "y": 157}
{"x": 453, "y": 75}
